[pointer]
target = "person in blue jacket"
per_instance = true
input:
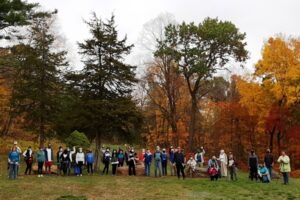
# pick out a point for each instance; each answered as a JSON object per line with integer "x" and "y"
{"x": 172, "y": 161}
{"x": 147, "y": 161}
{"x": 13, "y": 160}
{"x": 90, "y": 162}
{"x": 164, "y": 161}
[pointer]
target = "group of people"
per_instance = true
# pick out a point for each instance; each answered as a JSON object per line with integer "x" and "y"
{"x": 217, "y": 167}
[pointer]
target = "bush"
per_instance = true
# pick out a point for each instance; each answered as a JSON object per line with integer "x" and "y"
{"x": 78, "y": 139}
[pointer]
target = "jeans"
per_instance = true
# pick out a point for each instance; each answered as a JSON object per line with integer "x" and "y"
{"x": 157, "y": 164}
{"x": 253, "y": 173}
{"x": 147, "y": 169}
{"x": 13, "y": 170}
{"x": 106, "y": 167}
{"x": 270, "y": 171}
{"x": 285, "y": 177}
{"x": 80, "y": 163}
{"x": 173, "y": 169}
{"x": 164, "y": 167}
{"x": 40, "y": 167}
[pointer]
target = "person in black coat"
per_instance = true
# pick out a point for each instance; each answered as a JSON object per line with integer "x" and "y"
{"x": 179, "y": 162}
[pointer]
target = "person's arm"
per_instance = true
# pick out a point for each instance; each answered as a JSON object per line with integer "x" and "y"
{"x": 24, "y": 153}
{"x": 286, "y": 160}
{"x": 76, "y": 158}
{"x": 83, "y": 158}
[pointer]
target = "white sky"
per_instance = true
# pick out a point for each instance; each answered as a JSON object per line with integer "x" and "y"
{"x": 260, "y": 19}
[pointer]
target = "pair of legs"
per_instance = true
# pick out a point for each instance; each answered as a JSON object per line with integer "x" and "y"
{"x": 121, "y": 163}
{"x": 131, "y": 168}
{"x": 106, "y": 167}
{"x": 233, "y": 175}
{"x": 114, "y": 169}
{"x": 40, "y": 168}
{"x": 173, "y": 169}
{"x": 28, "y": 167}
{"x": 253, "y": 173}
{"x": 164, "y": 167}
{"x": 90, "y": 168}
{"x": 285, "y": 177}
{"x": 180, "y": 169}
{"x": 13, "y": 171}
{"x": 147, "y": 169}
{"x": 80, "y": 163}
{"x": 157, "y": 167}
{"x": 214, "y": 178}
{"x": 48, "y": 165}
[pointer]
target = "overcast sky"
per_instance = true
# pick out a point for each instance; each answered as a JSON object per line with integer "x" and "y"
{"x": 260, "y": 19}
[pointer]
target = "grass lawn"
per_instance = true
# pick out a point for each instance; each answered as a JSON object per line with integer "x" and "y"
{"x": 124, "y": 187}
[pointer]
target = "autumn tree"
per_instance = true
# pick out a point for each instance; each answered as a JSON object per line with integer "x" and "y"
{"x": 200, "y": 50}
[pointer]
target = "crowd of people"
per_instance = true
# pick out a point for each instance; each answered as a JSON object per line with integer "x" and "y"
{"x": 217, "y": 167}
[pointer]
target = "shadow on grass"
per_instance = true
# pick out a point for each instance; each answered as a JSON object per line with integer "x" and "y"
{"x": 71, "y": 197}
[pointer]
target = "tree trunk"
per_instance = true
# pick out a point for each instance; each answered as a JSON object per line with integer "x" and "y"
{"x": 97, "y": 151}
{"x": 42, "y": 132}
{"x": 6, "y": 126}
{"x": 193, "y": 121}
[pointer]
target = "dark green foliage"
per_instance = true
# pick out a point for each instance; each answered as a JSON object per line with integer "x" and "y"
{"x": 77, "y": 139}
{"x": 37, "y": 86}
{"x": 14, "y": 13}
{"x": 71, "y": 197}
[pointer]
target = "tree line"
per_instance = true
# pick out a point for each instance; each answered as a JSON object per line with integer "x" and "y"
{"x": 181, "y": 99}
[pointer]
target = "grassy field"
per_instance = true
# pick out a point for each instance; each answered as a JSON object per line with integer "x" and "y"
{"x": 124, "y": 187}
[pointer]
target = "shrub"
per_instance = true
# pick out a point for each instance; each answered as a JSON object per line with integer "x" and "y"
{"x": 78, "y": 139}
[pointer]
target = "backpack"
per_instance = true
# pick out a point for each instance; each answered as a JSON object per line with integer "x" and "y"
{"x": 199, "y": 157}
{"x": 157, "y": 156}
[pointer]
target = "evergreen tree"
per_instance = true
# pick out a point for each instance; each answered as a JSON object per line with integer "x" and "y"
{"x": 105, "y": 84}
{"x": 37, "y": 84}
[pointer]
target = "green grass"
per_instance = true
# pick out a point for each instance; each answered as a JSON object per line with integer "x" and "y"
{"x": 124, "y": 187}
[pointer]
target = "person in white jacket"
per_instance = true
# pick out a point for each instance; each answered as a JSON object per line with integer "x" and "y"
{"x": 223, "y": 162}
{"x": 191, "y": 165}
{"x": 79, "y": 161}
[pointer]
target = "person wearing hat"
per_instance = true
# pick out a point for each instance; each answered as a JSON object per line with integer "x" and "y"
{"x": 79, "y": 161}
{"x": 48, "y": 159}
{"x": 253, "y": 165}
{"x": 13, "y": 160}
{"x": 269, "y": 161}
{"x": 164, "y": 161}
{"x": 28, "y": 156}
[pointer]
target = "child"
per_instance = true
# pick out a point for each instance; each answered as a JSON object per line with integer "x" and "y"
{"x": 213, "y": 173}
{"x": 79, "y": 161}
{"x": 121, "y": 158}
{"x": 89, "y": 162}
{"x": 114, "y": 162}
{"x": 40, "y": 157}
{"x": 147, "y": 162}
{"x": 106, "y": 160}
{"x": 164, "y": 161}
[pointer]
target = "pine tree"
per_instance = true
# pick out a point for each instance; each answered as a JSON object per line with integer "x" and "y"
{"x": 37, "y": 84}
{"x": 105, "y": 83}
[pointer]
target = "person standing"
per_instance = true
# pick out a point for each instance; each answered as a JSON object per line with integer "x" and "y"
{"x": 90, "y": 162}
{"x": 232, "y": 167}
{"x": 79, "y": 161}
{"x": 269, "y": 161}
{"x": 114, "y": 162}
{"x": 253, "y": 165}
{"x": 13, "y": 160}
{"x": 179, "y": 162}
{"x": 191, "y": 166}
{"x": 285, "y": 166}
{"x": 172, "y": 162}
{"x": 20, "y": 152}
{"x": 121, "y": 158}
{"x": 49, "y": 159}
{"x": 40, "y": 157}
{"x": 131, "y": 162}
{"x": 164, "y": 161}
{"x": 106, "y": 161}
{"x": 65, "y": 160}
{"x": 157, "y": 162}
{"x": 147, "y": 162}
{"x": 28, "y": 156}
{"x": 199, "y": 157}
{"x": 70, "y": 159}
{"x": 223, "y": 163}
{"x": 58, "y": 159}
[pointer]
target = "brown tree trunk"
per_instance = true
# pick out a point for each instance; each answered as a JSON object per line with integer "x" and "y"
{"x": 193, "y": 121}
{"x": 97, "y": 151}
